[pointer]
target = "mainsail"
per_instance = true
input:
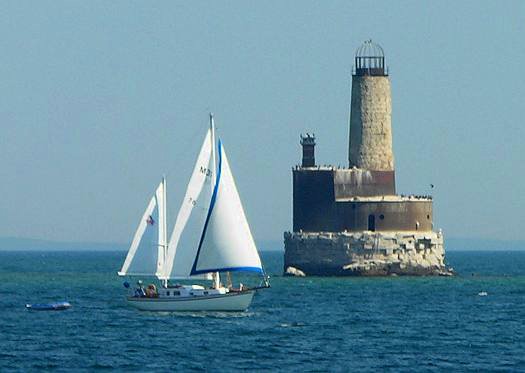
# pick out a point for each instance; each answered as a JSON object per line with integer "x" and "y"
{"x": 226, "y": 243}
{"x": 146, "y": 254}
{"x": 184, "y": 240}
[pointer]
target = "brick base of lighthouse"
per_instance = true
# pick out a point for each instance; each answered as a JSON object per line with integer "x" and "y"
{"x": 364, "y": 254}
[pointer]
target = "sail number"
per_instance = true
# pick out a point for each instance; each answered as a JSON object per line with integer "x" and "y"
{"x": 206, "y": 171}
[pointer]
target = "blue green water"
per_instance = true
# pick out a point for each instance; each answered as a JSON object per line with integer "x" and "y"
{"x": 300, "y": 324}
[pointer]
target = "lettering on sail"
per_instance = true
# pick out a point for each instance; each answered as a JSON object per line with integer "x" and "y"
{"x": 206, "y": 171}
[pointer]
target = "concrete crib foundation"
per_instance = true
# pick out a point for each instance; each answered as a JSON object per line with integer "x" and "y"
{"x": 364, "y": 254}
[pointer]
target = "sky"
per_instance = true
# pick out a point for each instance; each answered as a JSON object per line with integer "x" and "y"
{"x": 99, "y": 99}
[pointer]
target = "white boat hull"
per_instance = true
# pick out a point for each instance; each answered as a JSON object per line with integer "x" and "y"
{"x": 238, "y": 301}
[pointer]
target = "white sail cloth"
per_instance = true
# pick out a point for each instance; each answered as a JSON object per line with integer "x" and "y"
{"x": 146, "y": 253}
{"x": 184, "y": 240}
{"x": 211, "y": 233}
{"x": 226, "y": 242}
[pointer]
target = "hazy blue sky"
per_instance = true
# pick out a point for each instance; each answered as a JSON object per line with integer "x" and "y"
{"x": 100, "y": 98}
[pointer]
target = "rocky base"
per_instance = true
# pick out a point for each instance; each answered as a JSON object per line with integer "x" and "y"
{"x": 364, "y": 254}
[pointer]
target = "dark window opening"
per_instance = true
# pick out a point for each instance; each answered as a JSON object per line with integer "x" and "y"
{"x": 205, "y": 293}
{"x": 176, "y": 293}
{"x": 428, "y": 217}
{"x": 372, "y": 223}
{"x": 168, "y": 293}
{"x": 382, "y": 217}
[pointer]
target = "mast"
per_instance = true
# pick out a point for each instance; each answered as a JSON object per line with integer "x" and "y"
{"x": 213, "y": 157}
{"x": 164, "y": 230}
{"x": 216, "y": 276}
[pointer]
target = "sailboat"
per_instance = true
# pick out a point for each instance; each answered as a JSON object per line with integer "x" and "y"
{"x": 211, "y": 236}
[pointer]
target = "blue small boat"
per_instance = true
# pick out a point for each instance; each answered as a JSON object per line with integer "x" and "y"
{"x": 56, "y": 306}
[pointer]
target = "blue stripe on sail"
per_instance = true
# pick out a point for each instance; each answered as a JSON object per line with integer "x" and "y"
{"x": 212, "y": 204}
{"x": 231, "y": 269}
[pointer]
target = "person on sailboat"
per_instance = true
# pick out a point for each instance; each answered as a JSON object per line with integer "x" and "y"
{"x": 151, "y": 291}
{"x": 139, "y": 291}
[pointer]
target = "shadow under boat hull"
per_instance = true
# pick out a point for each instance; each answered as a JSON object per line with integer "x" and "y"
{"x": 233, "y": 301}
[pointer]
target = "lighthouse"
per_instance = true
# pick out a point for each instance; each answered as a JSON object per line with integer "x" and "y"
{"x": 350, "y": 221}
{"x": 370, "y": 140}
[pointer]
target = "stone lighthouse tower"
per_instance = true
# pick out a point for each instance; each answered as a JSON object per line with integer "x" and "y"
{"x": 349, "y": 221}
{"x": 370, "y": 145}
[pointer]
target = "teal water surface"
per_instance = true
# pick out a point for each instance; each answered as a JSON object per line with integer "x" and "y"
{"x": 299, "y": 324}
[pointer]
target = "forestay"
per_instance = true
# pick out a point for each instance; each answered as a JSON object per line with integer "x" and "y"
{"x": 183, "y": 244}
{"x": 146, "y": 253}
{"x": 226, "y": 243}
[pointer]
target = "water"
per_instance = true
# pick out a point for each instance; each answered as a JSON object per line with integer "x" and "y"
{"x": 300, "y": 324}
